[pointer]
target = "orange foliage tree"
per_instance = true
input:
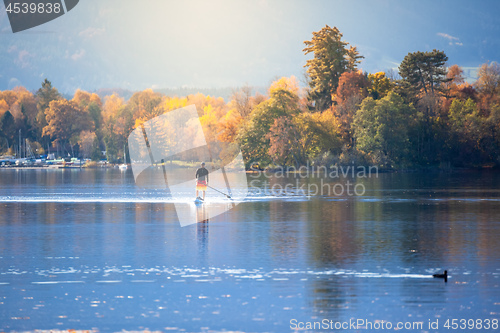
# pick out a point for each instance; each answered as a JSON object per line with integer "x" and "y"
{"x": 353, "y": 88}
{"x": 65, "y": 121}
{"x": 488, "y": 86}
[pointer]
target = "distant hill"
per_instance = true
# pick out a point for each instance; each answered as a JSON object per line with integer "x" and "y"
{"x": 185, "y": 91}
{"x": 179, "y": 92}
{"x": 215, "y": 92}
{"x": 123, "y": 93}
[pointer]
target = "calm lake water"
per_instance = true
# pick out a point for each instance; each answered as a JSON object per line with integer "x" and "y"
{"x": 88, "y": 249}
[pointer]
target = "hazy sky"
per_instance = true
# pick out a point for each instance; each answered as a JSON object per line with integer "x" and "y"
{"x": 165, "y": 44}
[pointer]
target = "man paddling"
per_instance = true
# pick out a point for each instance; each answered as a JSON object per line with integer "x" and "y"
{"x": 201, "y": 180}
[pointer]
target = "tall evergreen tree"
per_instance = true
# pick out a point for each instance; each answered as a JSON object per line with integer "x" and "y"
{"x": 332, "y": 57}
{"x": 45, "y": 95}
{"x": 423, "y": 75}
{"x": 423, "y": 72}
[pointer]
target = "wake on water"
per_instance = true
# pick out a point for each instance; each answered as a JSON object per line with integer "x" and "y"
{"x": 124, "y": 274}
{"x": 151, "y": 197}
{"x": 188, "y": 198}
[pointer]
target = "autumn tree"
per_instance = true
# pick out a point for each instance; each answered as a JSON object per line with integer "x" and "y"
{"x": 455, "y": 76}
{"x": 380, "y": 85}
{"x": 210, "y": 124}
{"x": 321, "y": 131}
{"x": 295, "y": 135}
{"x": 65, "y": 121}
{"x": 304, "y": 137}
{"x": 92, "y": 103}
{"x": 4, "y": 140}
{"x": 4, "y": 107}
{"x": 331, "y": 58}
{"x": 351, "y": 84}
{"x": 242, "y": 101}
{"x": 26, "y": 104}
{"x": 202, "y": 101}
{"x": 113, "y": 105}
{"x": 284, "y": 148}
{"x": 488, "y": 85}
{"x": 240, "y": 106}
{"x": 466, "y": 91}
{"x": 21, "y": 105}
{"x": 9, "y": 98}
{"x": 8, "y": 130}
{"x": 144, "y": 105}
{"x": 173, "y": 103}
{"x": 15, "y": 110}
{"x": 465, "y": 130}
{"x": 474, "y": 136}
{"x": 283, "y": 102}
{"x": 44, "y": 95}
{"x": 118, "y": 122}
{"x": 381, "y": 128}
{"x": 491, "y": 129}
{"x": 229, "y": 125}
{"x": 352, "y": 89}
{"x": 455, "y": 82}
{"x": 86, "y": 142}
{"x": 464, "y": 117}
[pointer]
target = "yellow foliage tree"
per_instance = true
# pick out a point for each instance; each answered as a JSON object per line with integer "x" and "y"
{"x": 26, "y": 104}
{"x": 229, "y": 125}
{"x": 173, "y": 103}
{"x": 112, "y": 107}
{"x": 4, "y": 107}
{"x": 65, "y": 120}
{"x": 286, "y": 83}
{"x": 9, "y": 96}
{"x": 144, "y": 105}
{"x": 83, "y": 98}
{"x": 380, "y": 85}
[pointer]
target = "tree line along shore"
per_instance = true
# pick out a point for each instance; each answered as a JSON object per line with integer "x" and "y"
{"x": 424, "y": 114}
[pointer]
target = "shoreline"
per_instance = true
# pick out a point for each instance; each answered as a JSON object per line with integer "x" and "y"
{"x": 276, "y": 170}
{"x": 56, "y": 167}
{"x": 422, "y": 169}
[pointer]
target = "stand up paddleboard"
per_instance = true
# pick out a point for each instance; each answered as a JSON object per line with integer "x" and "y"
{"x": 198, "y": 201}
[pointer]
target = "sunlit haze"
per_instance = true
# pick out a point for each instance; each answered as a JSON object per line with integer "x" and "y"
{"x": 214, "y": 44}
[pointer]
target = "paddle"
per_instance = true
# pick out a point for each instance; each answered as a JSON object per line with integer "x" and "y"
{"x": 227, "y": 195}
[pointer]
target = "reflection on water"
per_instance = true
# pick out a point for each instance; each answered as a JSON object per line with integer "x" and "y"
{"x": 74, "y": 262}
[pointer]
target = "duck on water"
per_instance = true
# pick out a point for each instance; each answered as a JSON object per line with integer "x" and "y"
{"x": 442, "y": 276}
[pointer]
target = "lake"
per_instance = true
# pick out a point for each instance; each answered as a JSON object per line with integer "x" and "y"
{"x": 89, "y": 249}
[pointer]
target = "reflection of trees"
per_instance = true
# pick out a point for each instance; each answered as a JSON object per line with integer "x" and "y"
{"x": 418, "y": 234}
{"x": 284, "y": 237}
{"x": 334, "y": 234}
{"x": 330, "y": 296}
